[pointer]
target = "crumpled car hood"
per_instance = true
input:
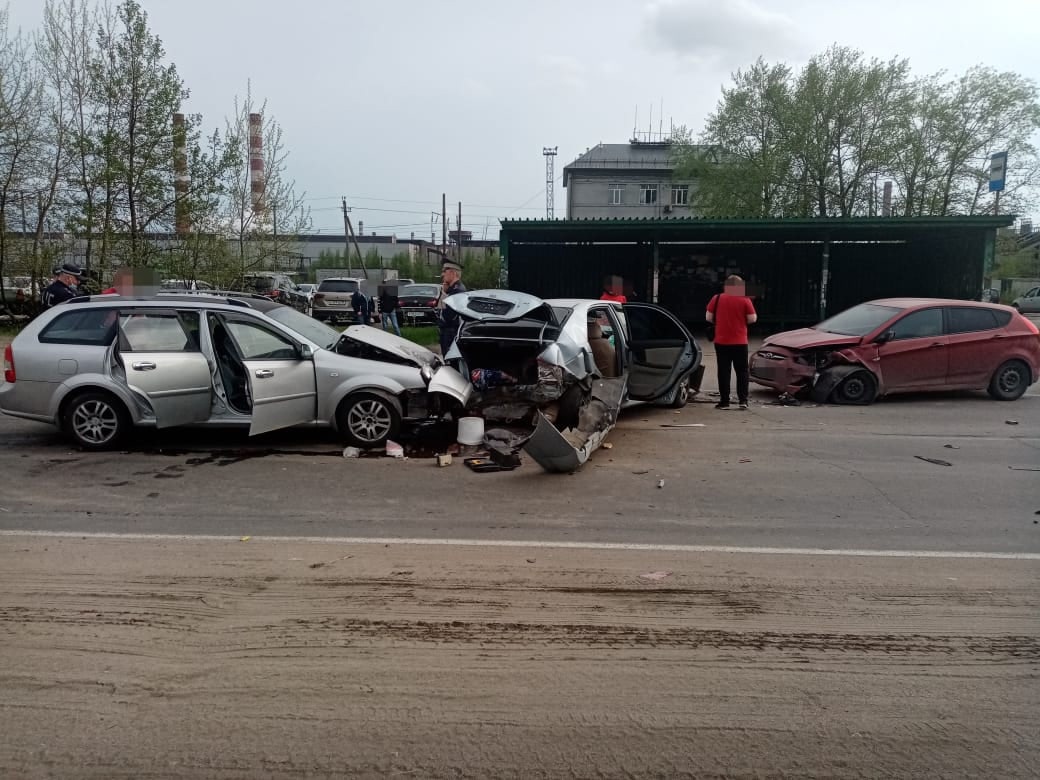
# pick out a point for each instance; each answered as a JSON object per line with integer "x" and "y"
{"x": 806, "y": 338}
{"x": 385, "y": 340}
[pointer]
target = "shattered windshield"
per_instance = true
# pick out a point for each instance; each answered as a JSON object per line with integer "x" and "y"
{"x": 308, "y": 327}
{"x": 859, "y": 320}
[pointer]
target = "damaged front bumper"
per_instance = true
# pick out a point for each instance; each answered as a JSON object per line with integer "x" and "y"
{"x": 783, "y": 370}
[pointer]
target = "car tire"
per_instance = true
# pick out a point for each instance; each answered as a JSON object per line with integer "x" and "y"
{"x": 682, "y": 394}
{"x": 1010, "y": 381}
{"x": 859, "y": 388}
{"x": 95, "y": 420}
{"x": 368, "y": 418}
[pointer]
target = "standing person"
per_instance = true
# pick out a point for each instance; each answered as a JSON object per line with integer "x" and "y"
{"x": 359, "y": 302}
{"x": 388, "y": 305}
{"x": 612, "y": 290}
{"x": 448, "y": 320}
{"x": 731, "y": 313}
{"x": 63, "y": 287}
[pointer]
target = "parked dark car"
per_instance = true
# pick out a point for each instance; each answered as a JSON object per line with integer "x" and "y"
{"x": 418, "y": 304}
{"x": 900, "y": 345}
{"x": 277, "y": 287}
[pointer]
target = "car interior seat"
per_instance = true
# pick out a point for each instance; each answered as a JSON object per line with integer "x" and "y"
{"x": 602, "y": 352}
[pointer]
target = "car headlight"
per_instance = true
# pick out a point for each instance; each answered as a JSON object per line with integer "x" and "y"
{"x": 426, "y": 372}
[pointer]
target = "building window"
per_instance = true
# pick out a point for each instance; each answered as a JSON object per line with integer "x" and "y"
{"x": 647, "y": 194}
{"x": 617, "y": 192}
{"x": 680, "y": 194}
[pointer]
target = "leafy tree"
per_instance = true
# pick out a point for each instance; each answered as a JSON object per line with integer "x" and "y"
{"x": 821, "y": 141}
{"x": 137, "y": 94}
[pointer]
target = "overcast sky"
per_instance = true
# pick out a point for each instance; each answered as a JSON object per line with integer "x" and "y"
{"x": 392, "y": 103}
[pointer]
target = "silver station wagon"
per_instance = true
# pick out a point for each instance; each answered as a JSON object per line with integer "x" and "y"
{"x": 98, "y": 366}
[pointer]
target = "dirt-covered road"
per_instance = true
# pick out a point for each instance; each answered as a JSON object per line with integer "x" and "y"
{"x": 164, "y": 657}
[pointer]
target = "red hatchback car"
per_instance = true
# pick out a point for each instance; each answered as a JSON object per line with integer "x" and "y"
{"x": 899, "y": 345}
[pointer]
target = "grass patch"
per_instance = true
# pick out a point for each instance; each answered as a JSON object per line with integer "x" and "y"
{"x": 422, "y": 335}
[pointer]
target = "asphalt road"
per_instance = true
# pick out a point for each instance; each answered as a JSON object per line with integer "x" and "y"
{"x": 799, "y": 591}
{"x": 809, "y": 476}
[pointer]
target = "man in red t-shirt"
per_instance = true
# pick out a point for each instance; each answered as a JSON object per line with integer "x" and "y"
{"x": 731, "y": 313}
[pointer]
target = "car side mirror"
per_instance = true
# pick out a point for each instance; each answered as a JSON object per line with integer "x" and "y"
{"x": 306, "y": 353}
{"x": 885, "y": 337}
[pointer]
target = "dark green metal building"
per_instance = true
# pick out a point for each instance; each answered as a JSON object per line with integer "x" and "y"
{"x": 798, "y": 269}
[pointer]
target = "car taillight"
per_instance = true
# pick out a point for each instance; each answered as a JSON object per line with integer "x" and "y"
{"x": 319, "y": 296}
{"x": 8, "y": 364}
{"x": 432, "y": 303}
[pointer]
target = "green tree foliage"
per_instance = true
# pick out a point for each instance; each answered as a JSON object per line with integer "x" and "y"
{"x": 481, "y": 271}
{"x": 822, "y": 141}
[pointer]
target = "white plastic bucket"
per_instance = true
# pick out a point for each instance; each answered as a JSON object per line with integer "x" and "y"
{"x": 471, "y": 430}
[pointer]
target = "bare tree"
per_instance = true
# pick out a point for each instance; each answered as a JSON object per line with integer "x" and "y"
{"x": 20, "y": 136}
{"x": 265, "y": 229}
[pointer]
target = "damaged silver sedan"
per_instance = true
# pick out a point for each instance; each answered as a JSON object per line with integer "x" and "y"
{"x": 553, "y": 374}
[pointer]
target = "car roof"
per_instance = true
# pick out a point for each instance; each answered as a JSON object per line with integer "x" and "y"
{"x": 188, "y": 300}
{"x": 911, "y": 303}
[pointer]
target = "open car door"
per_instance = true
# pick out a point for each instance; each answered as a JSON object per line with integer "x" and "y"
{"x": 660, "y": 351}
{"x": 160, "y": 353}
{"x": 280, "y": 376}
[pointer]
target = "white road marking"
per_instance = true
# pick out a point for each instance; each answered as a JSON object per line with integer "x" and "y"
{"x": 681, "y": 548}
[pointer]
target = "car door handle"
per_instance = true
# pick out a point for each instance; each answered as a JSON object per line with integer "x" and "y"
{"x": 937, "y": 344}
{"x": 264, "y": 373}
{"x": 143, "y": 366}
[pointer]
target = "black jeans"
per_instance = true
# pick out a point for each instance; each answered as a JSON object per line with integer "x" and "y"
{"x": 735, "y": 356}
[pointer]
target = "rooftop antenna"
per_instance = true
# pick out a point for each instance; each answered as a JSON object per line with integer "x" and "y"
{"x": 660, "y": 122}
{"x": 650, "y": 127}
{"x": 635, "y": 125}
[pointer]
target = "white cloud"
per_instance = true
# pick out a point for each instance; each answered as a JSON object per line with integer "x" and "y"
{"x": 724, "y": 32}
{"x": 563, "y": 70}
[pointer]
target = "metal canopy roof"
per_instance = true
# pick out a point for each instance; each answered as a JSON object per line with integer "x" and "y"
{"x": 778, "y": 229}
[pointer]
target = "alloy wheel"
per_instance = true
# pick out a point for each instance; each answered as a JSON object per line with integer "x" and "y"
{"x": 369, "y": 420}
{"x": 95, "y": 421}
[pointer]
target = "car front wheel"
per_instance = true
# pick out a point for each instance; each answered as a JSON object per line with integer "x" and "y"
{"x": 858, "y": 388}
{"x": 368, "y": 419}
{"x": 95, "y": 420}
{"x": 1010, "y": 381}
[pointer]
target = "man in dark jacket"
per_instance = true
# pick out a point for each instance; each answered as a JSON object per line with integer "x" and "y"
{"x": 388, "y": 304}
{"x": 448, "y": 320}
{"x": 63, "y": 287}
{"x": 359, "y": 302}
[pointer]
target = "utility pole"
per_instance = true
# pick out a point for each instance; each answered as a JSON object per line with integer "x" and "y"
{"x": 550, "y": 155}
{"x": 458, "y": 247}
{"x": 444, "y": 226}
{"x": 351, "y": 237}
{"x": 346, "y": 233}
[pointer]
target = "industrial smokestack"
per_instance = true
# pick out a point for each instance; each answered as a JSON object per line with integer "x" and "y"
{"x": 360, "y": 228}
{"x": 256, "y": 161}
{"x": 886, "y": 200}
{"x": 180, "y": 176}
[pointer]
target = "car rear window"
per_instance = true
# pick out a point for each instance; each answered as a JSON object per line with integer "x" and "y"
{"x": 965, "y": 319}
{"x": 258, "y": 283}
{"x": 420, "y": 290}
{"x": 94, "y": 327}
{"x": 338, "y": 285}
